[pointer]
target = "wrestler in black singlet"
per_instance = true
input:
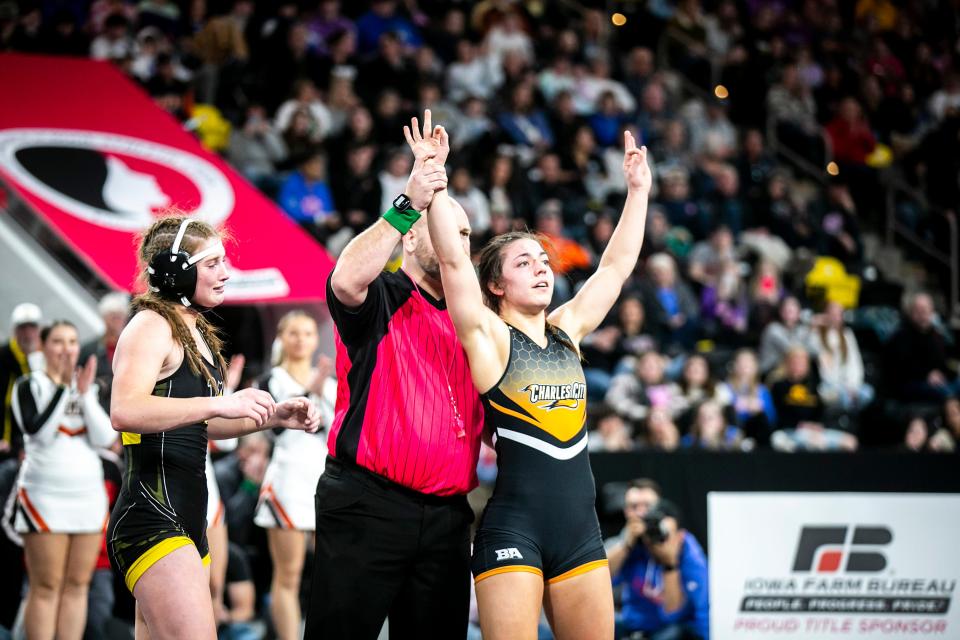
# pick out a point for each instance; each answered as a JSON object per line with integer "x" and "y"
{"x": 541, "y": 518}
{"x": 163, "y": 501}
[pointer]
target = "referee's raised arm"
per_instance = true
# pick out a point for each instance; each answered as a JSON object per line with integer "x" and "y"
{"x": 365, "y": 256}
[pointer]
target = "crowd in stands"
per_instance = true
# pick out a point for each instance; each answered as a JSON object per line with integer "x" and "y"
{"x": 723, "y": 339}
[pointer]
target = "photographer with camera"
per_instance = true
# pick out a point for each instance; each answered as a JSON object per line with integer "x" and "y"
{"x": 661, "y": 568}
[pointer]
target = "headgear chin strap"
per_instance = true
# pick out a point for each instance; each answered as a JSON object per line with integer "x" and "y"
{"x": 173, "y": 273}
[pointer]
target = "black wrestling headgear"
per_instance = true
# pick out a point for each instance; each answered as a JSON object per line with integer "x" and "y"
{"x": 173, "y": 273}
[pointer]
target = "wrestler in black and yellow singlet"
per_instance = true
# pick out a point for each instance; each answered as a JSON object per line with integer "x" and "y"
{"x": 163, "y": 501}
{"x": 541, "y": 518}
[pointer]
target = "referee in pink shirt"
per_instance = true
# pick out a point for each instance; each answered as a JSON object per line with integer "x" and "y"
{"x": 393, "y": 523}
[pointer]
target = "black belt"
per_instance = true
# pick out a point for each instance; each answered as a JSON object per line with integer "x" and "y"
{"x": 341, "y": 466}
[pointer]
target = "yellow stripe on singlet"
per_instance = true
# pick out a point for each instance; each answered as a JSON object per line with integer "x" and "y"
{"x": 577, "y": 571}
{"x": 152, "y": 556}
{"x": 511, "y": 569}
{"x": 515, "y": 414}
{"x": 130, "y": 438}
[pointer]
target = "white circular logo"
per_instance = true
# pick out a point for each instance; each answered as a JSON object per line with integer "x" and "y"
{"x": 112, "y": 180}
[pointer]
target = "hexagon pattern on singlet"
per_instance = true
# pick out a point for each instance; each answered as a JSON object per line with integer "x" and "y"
{"x": 548, "y": 384}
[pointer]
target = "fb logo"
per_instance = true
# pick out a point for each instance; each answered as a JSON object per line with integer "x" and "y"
{"x": 507, "y": 554}
{"x": 823, "y": 549}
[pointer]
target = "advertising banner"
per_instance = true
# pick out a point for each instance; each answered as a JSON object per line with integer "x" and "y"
{"x": 834, "y": 566}
{"x": 91, "y": 153}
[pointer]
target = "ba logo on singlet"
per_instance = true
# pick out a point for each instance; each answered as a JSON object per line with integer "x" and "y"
{"x": 832, "y": 549}
{"x": 557, "y": 396}
{"x": 509, "y": 554}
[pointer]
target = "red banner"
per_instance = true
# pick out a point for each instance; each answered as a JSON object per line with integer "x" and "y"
{"x": 89, "y": 151}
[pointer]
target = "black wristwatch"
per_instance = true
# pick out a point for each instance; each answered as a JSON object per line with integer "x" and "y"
{"x": 668, "y": 568}
{"x": 402, "y": 202}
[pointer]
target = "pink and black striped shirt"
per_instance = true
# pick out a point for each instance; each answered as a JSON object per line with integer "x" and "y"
{"x": 406, "y": 406}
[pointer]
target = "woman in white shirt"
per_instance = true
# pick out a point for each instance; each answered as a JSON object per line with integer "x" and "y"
{"x": 839, "y": 363}
{"x": 61, "y": 506}
{"x": 286, "y": 508}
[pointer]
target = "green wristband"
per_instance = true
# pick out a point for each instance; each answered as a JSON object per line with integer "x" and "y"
{"x": 401, "y": 220}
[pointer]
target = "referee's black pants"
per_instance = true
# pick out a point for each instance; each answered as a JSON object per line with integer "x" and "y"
{"x": 385, "y": 550}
